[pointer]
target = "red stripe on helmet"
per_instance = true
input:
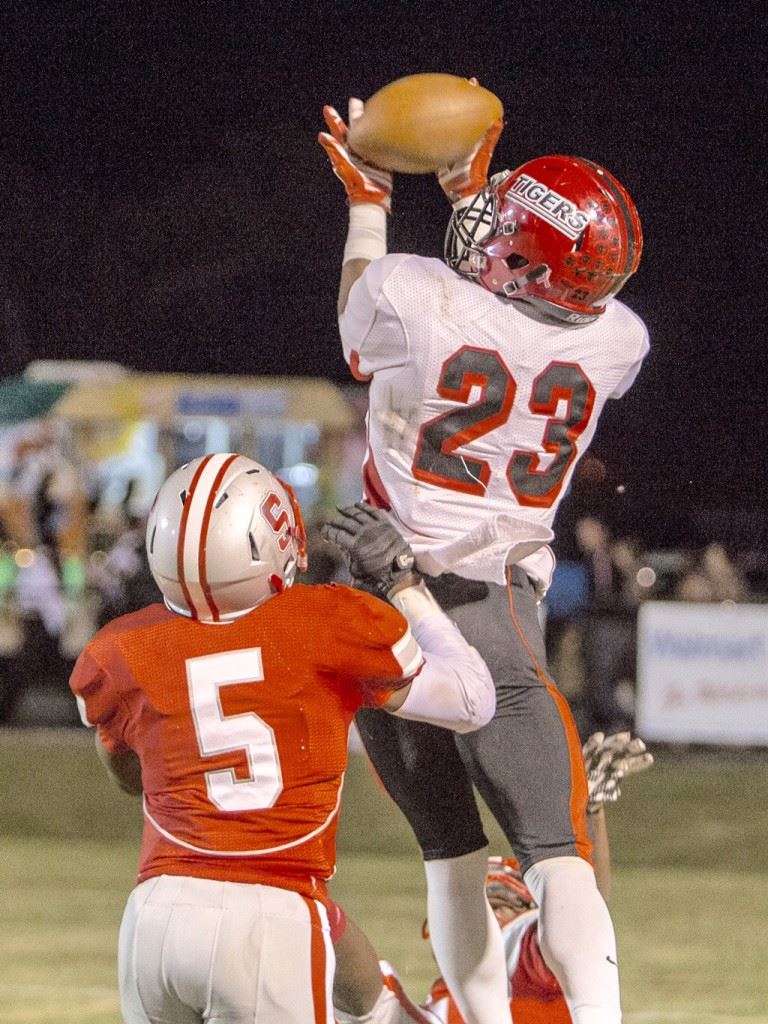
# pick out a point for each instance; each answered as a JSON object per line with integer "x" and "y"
{"x": 298, "y": 532}
{"x": 183, "y": 534}
{"x": 201, "y": 552}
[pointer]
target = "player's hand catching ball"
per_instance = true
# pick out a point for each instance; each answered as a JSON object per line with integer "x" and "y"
{"x": 607, "y": 760}
{"x": 469, "y": 175}
{"x": 362, "y": 182}
{"x": 379, "y": 558}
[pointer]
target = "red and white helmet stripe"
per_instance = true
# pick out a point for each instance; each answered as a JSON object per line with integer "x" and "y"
{"x": 193, "y": 534}
{"x": 223, "y": 536}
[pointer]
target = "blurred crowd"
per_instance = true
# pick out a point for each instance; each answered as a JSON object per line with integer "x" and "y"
{"x": 591, "y": 612}
{"x": 72, "y": 557}
{"x": 69, "y": 561}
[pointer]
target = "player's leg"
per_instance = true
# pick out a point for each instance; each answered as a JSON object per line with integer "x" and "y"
{"x": 195, "y": 950}
{"x": 527, "y": 796}
{"x": 422, "y": 771}
{"x": 528, "y": 767}
{"x": 577, "y": 939}
{"x": 368, "y": 991}
{"x": 466, "y": 937}
{"x": 144, "y": 994}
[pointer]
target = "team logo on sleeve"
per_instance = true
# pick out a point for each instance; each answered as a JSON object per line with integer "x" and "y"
{"x": 550, "y": 206}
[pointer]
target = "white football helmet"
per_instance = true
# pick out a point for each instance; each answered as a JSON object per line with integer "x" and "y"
{"x": 223, "y": 536}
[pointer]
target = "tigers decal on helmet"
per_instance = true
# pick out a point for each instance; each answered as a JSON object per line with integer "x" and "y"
{"x": 559, "y": 232}
{"x": 224, "y": 535}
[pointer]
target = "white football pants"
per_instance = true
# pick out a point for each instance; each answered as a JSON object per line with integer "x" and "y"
{"x": 194, "y": 950}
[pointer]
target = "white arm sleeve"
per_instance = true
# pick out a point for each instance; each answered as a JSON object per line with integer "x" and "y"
{"x": 637, "y": 325}
{"x": 454, "y": 688}
{"x": 372, "y": 335}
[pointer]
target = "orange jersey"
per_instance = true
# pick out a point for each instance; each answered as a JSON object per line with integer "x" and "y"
{"x": 241, "y": 729}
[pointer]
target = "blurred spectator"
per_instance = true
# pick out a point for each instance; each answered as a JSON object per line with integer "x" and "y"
{"x": 609, "y": 628}
{"x": 11, "y": 634}
{"x": 112, "y": 572}
{"x": 46, "y": 498}
{"x": 44, "y": 614}
{"x": 727, "y": 582}
{"x": 713, "y": 577}
{"x": 694, "y": 586}
{"x": 121, "y": 574}
{"x": 565, "y": 606}
{"x": 628, "y": 561}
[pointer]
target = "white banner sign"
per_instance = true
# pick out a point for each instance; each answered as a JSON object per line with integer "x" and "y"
{"x": 702, "y": 673}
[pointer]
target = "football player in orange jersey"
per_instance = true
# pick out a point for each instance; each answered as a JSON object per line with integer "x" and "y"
{"x": 227, "y": 707}
{"x": 488, "y": 371}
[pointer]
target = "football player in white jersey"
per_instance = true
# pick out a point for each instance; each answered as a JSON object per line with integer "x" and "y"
{"x": 488, "y": 371}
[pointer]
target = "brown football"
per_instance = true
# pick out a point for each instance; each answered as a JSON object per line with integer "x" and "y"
{"x": 422, "y": 122}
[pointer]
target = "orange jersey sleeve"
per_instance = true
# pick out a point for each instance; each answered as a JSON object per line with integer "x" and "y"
{"x": 375, "y": 653}
{"x": 241, "y": 729}
{"x": 97, "y": 689}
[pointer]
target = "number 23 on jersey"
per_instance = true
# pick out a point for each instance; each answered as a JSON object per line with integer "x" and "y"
{"x": 437, "y": 459}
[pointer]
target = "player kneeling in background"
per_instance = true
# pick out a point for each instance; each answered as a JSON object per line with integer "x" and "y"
{"x": 534, "y": 992}
{"x": 228, "y": 707}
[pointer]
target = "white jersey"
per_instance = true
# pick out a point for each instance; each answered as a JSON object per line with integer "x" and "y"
{"x": 478, "y": 412}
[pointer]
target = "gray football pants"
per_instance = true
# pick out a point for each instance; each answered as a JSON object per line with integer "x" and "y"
{"x": 526, "y": 763}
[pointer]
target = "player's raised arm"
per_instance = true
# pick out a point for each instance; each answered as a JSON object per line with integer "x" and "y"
{"x": 469, "y": 175}
{"x": 454, "y": 688}
{"x": 369, "y": 193}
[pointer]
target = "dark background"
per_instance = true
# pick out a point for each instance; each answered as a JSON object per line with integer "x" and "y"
{"x": 165, "y": 205}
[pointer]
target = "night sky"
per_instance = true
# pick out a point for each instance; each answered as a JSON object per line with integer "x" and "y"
{"x": 165, "y": 203}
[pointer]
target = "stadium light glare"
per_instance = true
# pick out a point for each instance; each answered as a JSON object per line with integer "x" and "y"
{"x": 646, "y": 577}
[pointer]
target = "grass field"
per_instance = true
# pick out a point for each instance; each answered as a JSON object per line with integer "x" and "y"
{"x": 690, "y": 896}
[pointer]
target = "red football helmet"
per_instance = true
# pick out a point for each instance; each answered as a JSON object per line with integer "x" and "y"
{"x": 560, "y": 232}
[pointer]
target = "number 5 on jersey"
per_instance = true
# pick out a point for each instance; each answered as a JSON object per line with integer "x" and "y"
{"x": 218, "y": 733}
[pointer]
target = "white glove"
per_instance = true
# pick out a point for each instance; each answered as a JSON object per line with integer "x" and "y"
{"x": 609, "y": 759}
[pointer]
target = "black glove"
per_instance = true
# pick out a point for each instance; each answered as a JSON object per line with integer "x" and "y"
{"x": 379, "y": 559}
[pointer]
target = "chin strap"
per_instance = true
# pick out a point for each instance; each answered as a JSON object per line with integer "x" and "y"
{"x": 540, "y": 273}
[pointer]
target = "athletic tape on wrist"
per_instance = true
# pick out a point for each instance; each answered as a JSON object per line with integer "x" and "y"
{"x": 367, "y": 234}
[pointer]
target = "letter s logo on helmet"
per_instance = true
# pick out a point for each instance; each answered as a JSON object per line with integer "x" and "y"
{"x": 223, "y": 536}
{"x": 560, "y": 232}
